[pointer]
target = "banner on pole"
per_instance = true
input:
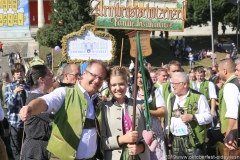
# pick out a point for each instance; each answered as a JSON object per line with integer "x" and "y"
{"x": 167, "y": 15}
{"x": 145, "y": 43}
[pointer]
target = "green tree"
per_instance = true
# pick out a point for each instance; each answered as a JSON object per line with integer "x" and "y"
{"x": 67, "y": 16}
{"x": 198, "y": 13}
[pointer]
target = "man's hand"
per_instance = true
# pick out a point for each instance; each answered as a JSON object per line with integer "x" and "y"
{"x": 186, "y": 117}
{"x": 25, "y": 113}
{"x": 230, "y": 140}
{"x": 19, "y": 88}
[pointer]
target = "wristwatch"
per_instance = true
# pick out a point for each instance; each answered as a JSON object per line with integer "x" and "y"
{"x": 194, "y": 118}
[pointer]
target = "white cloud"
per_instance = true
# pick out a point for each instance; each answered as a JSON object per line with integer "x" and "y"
{"x": 20, "y": 10}
{"x": 1, "y": 10}
{"x": 10, "y": 11}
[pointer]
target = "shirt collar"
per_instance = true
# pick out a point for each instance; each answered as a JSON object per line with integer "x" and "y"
{"x": 184, "y": 97}
{"x": 229, "y": 78}
{"x": 86, "y": 93}
{"x": 159, "y": 84}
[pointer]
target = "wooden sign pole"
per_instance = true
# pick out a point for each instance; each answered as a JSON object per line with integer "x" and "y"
{"x": 135, "y": 91}
{"x": 121, "y": 53}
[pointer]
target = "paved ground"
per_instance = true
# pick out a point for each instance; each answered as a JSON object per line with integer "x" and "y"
{"x": 10, "y": 47}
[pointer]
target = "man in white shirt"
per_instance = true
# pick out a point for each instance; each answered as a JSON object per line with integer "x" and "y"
{"x": 229, "y": 99}
{"x": 188, "y": 49}
{"x": 207, "y": 88}
{"x": 67, "y": 141}
{"x": 162, "y": 77}
{"x": 187, "y": 115}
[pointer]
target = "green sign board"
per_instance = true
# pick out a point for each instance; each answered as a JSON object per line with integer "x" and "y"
{"x": 165, "y": 15}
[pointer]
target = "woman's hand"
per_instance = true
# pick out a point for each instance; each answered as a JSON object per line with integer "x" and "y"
{"x": 129, "y": 137}
{"x": 134, "y": 149}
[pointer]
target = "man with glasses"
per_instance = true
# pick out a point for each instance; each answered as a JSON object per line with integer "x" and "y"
{"x": 75, "y": 133}
{"x": 68, "y": 76}
{"x": 15, "y": 96}
{"x": 71, "y": 74}
{"x": 187, "y": 115}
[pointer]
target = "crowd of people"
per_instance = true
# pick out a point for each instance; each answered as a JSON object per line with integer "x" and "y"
{"x": 88, "y": 114}
{"x": 185, "y": 52}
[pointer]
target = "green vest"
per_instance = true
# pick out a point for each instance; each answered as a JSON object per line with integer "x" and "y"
{"x": 152, "y": 105}
{"x": 156, "y": 85}
{"x": 166, "y": 90}
{"x": 223, "y": 108}
{"x": 191, "y": 105}
{"x": 191, "y": 84}
{"x": 2, "y": 91}
{"x": 68, "y": 124}
{"x": 204, "y": 89}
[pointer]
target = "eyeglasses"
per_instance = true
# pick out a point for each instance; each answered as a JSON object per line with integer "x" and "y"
{"x": 75, "y": 75}
{"x": 175, "y": 84}
{"x": 95, "y": 76}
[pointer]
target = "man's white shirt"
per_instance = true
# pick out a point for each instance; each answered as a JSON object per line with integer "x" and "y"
{"x": 231, "y": 96}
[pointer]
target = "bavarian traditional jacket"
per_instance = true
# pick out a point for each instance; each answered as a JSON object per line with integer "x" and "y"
{"x": 112, "y": 128}
{"x": 68, "y": 125}
{"x": 191, "y": 107}
{"x": 222, "y": 104}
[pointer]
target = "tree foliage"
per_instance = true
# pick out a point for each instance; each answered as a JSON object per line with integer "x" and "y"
{"x": 198, "y": 13}
{"x": 67, "y": 16}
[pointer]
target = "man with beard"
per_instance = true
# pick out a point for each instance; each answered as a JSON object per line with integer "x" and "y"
{"x": 229, "y": 100}
{"x": 76, "y": 132}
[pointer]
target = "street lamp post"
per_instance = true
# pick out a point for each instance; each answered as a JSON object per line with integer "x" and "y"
{"x": 212, "y": 31}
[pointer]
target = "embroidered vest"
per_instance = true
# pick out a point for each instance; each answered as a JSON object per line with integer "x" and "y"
{"x": 191, "y": 107}
{"x": 68, "y": 124}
